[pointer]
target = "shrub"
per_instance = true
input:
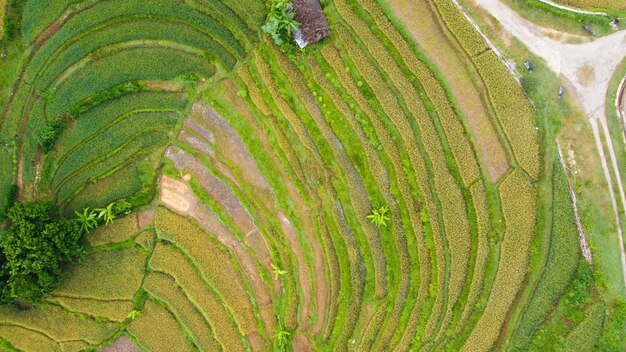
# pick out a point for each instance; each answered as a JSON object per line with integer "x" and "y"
{"x": 33, "y": 251}
{"x": 48, "y": 137}
{"x": 280, "y": 21}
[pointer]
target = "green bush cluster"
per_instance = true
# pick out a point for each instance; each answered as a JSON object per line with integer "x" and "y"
{"x": 50, "y": 134}
{"x": 33, "y": 252}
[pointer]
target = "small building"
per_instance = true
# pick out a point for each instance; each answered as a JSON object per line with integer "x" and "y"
{"x": 313, "y": 23}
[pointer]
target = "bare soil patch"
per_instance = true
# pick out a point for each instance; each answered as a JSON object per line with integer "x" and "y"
{"x": 177, "y": 195}
{"x": 145, "y": 217}
{"x": 301, "y": 344}
{"x": 122, "y": 344}
{"x": 166, "y": 86}
{"x": 319, "y": 281}
{"x": 585, "y": 75}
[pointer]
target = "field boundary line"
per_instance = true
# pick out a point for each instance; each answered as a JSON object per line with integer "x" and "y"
{"x": 619, "y": 101}
{"x": 607, "y": 175}
{"x": 573, "y": 9}
{"x": 582, "y": 236}
{"x": 493, "y": 47}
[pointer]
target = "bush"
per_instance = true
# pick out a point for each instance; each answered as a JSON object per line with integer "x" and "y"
{"x": 49, "y": 136}
{"x": 33, "y": 251}
{"x": 280, "y": 21}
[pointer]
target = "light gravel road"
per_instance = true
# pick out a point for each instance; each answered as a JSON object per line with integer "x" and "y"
{"x": 588, "y": 67}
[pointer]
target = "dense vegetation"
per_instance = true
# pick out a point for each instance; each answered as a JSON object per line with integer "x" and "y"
{"x": 373, "y": 193}
{"x": 34, "y": 250}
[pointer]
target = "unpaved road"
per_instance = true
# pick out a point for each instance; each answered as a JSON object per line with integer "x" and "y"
{"x": 589, "y": 68}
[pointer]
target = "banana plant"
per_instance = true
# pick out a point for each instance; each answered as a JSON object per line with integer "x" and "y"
{"x": 379, "y": 216}
{"x": 87, "y": 220}
{"x": 277, "y": 271}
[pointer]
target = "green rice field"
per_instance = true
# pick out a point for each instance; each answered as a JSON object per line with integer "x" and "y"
{"x": 251, "y": 175}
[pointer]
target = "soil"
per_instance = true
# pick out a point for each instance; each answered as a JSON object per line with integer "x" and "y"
{"x": 145, "y": 217}
{"x": 166, "y": 86}
{"x": 122, "y": 344}
{"x": 177, "y": 195}
{"x": 301, "y": 344}
{"x": 319, "y": 263}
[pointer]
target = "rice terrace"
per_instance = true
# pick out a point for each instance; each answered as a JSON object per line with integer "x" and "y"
{"x": 312, "y": 175}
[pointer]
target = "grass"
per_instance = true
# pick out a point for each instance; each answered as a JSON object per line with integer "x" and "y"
{"x": 120, "y": 272}
{"x": 163, "y": 288}
{"x": 563, "y": 258}
{"x": 3, "y": 9}
{"x": 226, "y": 278}
{"x": 66, "y": 326}
{"x": 168, "y": 334}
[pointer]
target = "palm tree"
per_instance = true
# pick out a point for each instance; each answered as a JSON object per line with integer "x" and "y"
{"x": 87, "y": 220}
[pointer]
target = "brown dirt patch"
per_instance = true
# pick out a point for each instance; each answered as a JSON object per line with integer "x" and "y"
{"x": 320, "y": 264}
{"x": 301, "y": 344}
{"x": 256, "y": 342}
{"x": 585, "y": 75}
{"x": 177, "y": 195}
{"x": 122, "y": 344}
{"x": 196, "y": 143}
{"x": 145, "y": 217}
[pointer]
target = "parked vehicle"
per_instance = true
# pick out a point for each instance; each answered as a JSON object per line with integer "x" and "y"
{"x": 529, "y": 66}
{"x": 589, "y": 30}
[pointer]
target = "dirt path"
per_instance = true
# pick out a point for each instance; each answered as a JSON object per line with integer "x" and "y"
{"x": 589, "y": 68}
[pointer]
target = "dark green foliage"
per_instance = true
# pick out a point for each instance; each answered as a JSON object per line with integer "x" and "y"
{"x": 34, "y": 250}
{"x": 614, "y": 334}
{"x": 12, "y": 19}
{"x": 48, "y": 137}
{"x": 280, "y": 21}
{"x": 102, "y": 96}
{"x": 561, "y": 265}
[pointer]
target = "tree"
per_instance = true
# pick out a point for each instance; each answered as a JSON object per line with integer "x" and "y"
{"x": 35, "y": 249}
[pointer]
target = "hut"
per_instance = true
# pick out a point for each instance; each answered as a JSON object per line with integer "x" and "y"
{"x": 313, "y": 23}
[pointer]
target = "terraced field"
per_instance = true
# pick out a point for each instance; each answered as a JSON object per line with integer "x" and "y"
{"x": 252, "y": 176}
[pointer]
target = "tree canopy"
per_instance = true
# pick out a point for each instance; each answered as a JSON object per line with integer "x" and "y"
{"x": 33, "y": 251}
